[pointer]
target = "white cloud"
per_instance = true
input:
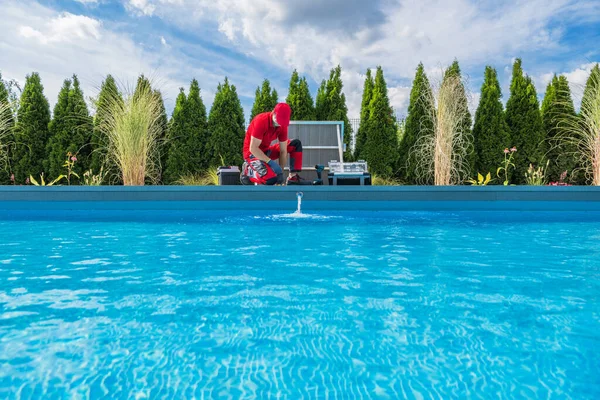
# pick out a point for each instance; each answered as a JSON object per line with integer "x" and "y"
{"x": 144, "y": 7}
{"x": 64, "y": 28}
{"x": 307, "y": 37}
{"x": 281, "y": 36}
{"x": 57, "y": 45}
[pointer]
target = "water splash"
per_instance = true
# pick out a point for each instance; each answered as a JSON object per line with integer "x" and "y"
{"x": 299, "y": 195}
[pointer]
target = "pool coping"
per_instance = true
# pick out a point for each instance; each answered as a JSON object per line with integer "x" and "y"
{"x": 566, "y": 198}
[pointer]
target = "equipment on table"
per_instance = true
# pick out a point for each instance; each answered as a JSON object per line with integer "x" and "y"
{"x": 349, "y": 173}
{"x": 317, "y": 182}
{"x": 229, "y": 176}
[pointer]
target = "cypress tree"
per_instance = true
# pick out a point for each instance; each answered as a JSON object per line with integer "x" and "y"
{"x": 490, "y": 133}
{"x": 300, "y": 99}
{"x": 5, "y": 99}
{"x": 361, "y": 136}
{"x": 266, "y": 99}
{"x": 321, "y": 107}
{"x": 188, "y": 150}
{"x": 70, "y": 131}
{"x": 142, "y": 86}
{"x": 331, "y": 106}
{"x": 6, "y": 137}
{"x": 454, "y": 70}
{"x": 99, "y": 142}
{"x": 381, "y": 130}
{"x": 556, "y": 106}
{"x": 589, "y": 90}
{"x": 177, "y": 158}
{"x": 163, "y": 140}
{"x": 58, "y": 133}
{"x": 226, "y": 126}
{"x": 418, "y": 123}
{"x": 196, "y": 126}
{"x": 525, "y": 123}
{"x": 31, "y": 130}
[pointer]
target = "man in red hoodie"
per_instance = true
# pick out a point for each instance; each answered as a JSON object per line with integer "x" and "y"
{"x": 267, "y": 141}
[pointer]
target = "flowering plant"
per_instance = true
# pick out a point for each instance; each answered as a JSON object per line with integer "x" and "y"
{"x": 70, "y": 163}
{"x": 508, "y": 155}
{"x": 536, "y": 176}
{"x": 561, "y": 181}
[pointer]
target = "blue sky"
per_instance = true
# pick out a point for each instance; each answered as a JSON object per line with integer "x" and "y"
{"x": 173, "y": 41}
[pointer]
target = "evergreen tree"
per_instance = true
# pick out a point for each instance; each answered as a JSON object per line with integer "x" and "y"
{"x": 6, "y": 137}
{"x": 300, "y": 100}
{"x": 189, "y": 137}
{"x": 490, "y": 133}
{"x": 163, "y": 141}
{"x": 58, "y": 133}
{"x": 226, "y": 126}
{"x": 361, "y": 136}
{"x": 331, "y": 106}
{"x": 143, "y": 85}
{"x": 557, "y": 106}
{"x": 381, "y": 131}
{"x": 525, "y": 123}
{"x": 70, "y": 132}
{"x": 589, "y": 90}
{"x": 177, "y": 158}
{"x": 321, "y": 107}
{"x": 454, "y": 70}
{"x": 266, "y": 99}
{"x": 197, "y": 130}
{"x": 99, "y": 142}
{"x": 418, "y": 123}
{"x": 5, "y": 99}
{"x": 31, "y": 130}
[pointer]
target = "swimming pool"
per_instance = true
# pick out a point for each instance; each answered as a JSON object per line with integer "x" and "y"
{"x": 337, "y": 305}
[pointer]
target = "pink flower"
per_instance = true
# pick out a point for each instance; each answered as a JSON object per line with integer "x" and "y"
{"x": 73, "y": 158}
{"x": 506, "y": 151}
{"x": 513, "y": 149}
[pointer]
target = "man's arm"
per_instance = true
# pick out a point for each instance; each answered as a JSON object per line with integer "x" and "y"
{"x": 256, "y": 151}
{"x": 283, "y": 154}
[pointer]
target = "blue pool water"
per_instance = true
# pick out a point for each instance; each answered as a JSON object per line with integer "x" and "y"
{"x": 356, "y": 305}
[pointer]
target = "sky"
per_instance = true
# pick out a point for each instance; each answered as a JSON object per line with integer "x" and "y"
{"x": 173, "y": 41}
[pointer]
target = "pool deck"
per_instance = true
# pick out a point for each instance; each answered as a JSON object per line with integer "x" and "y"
{"x": 373, "y": 198}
